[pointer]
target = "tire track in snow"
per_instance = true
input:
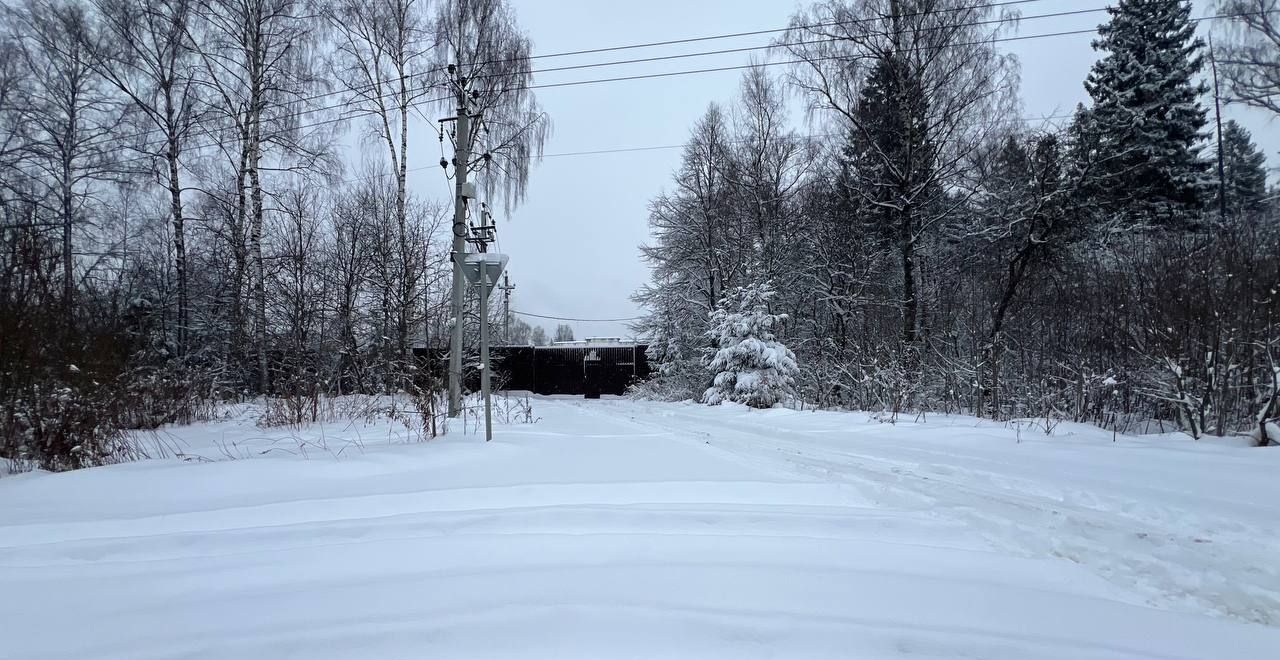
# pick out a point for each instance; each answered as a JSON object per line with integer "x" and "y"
{"x": 1168, "y": 568}
{"x": 577, "y": 519}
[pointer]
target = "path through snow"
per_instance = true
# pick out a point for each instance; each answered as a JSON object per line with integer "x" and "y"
{"x": 621, "y": 529}
{"x": 1191, "y": 527}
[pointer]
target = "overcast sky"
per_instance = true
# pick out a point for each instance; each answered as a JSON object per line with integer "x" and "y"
{"x": 574, "y": 242}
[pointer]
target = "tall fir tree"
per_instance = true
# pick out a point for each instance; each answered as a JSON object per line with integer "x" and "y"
{"x": 888, "y": 152}
{"x": 892, "y": 162}
{"x": 1081, "y": 158}
{"x": 1245, "y": 170}
{"x": 1147, "y": 118}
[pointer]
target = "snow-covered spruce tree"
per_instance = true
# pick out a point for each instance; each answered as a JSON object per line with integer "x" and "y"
{"x": 1244, "y": 171}
{"x": 892, "y": 157}
{"x": 676, "y": 330}
{"x": 749, "y": 364}
{"x": 1146, "y": 114}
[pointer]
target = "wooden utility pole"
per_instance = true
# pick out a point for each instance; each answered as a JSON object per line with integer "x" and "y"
{"x": 506, "y": 287}
{"x": 1217, "y": 109}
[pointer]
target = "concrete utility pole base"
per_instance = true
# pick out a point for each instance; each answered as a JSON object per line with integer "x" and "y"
{"x": 484, "y": 353}
{"x": 461, "y": 155}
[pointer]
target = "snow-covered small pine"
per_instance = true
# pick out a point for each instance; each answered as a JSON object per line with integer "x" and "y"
{"x": 750, "y": 366}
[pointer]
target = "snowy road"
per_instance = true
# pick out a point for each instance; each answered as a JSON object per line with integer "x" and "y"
{"x": 628, "y": 529}
{"x": 1193, "y": 528}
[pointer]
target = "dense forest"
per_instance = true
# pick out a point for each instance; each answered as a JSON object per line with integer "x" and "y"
{"x": 183, "y": 219}
{"x": 928, "y": 249}
{"x": 206, "y": 200}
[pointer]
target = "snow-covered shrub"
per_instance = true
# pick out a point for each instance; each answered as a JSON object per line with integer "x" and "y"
{"x": 298, "y": 402}
{"x": 509, "y": 409}
{"x": 658, "y": 388}
{"x": 749, "y": 364}
{"x": 61, "y": 427}
{"x": 678, "y": 371}
{"x": 74, "y": 383}
{"x": 1273, "y": 435}
{"x": 675, "y": 378}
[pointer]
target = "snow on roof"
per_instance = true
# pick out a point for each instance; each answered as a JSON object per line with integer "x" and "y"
{"x": 593, "y": 342}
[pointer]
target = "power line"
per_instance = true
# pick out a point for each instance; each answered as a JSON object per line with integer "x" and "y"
{"x": 753, "y": 33}
{"x": 661, "y": 147}
{"x": 367, "y": 87}
{"x": 360, "y": 89}
{"x": 740, "y": 67}
{"x": 565, "y": 318}
{"x": 682, "y": 73}
{"x": 668, "y": 74}
{"x": 835, "y": 57}
{"x": 716, "y": 37}
{"x": 808, "y": 136}
{"x": 690, "y": 40}
{"x": 671, "y": 42}
{"x": 747, "y": 49}
{"x": 622, "y": 150}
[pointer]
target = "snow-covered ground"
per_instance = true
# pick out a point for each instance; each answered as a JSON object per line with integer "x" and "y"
{"x": 620, "y": 529}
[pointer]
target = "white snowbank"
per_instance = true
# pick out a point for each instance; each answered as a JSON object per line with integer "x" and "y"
{"x": 623, "y": 529}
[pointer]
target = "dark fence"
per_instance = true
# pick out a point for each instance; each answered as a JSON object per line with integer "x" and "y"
{"x": 586, "y": 369}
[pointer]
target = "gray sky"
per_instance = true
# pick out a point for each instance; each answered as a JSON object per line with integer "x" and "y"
{"x": 574, "y": 242}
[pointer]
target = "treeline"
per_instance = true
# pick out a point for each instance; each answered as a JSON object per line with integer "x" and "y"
{"x": 182, "y": 221}
{"x": 932, "y": 251}
{"x": 518, "y": 332}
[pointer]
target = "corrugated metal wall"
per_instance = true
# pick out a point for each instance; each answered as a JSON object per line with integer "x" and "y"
{"x": 589, "y": 370}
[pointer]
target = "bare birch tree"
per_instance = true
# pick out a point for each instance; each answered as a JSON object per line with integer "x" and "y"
{"x": 770, "y": 163}
{"x": 147, "y": 55}
{"x": 483, "y": 41}
{"x": 258, "y": 69}
{"x": 381, "y": 61}
{"x": 72, "y": 118}
{"x": 13, "y": 124}
{"x": 1251, "y": 56}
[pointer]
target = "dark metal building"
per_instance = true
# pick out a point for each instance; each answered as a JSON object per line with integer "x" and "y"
{"x": 585, "y": 367}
